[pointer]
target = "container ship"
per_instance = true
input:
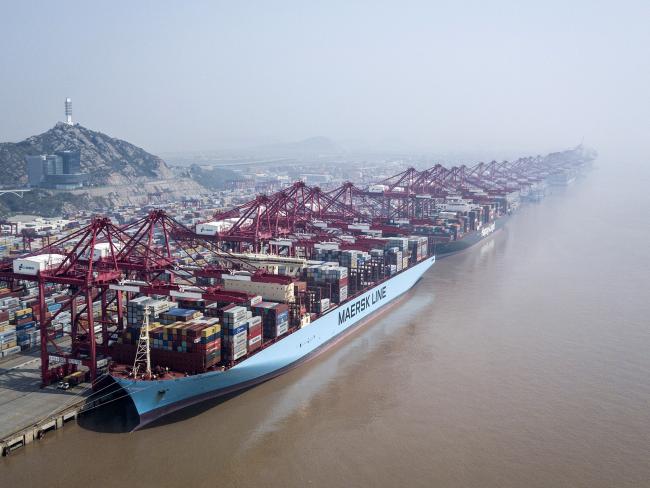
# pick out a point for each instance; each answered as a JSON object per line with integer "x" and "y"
{"x": 467, "y": 222}
{"x": 447, "y": 248}
{"x": 257, "y": 344}
{"x": 170, "y": 311}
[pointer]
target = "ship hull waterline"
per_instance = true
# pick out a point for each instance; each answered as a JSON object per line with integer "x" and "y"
{"x": 158, "y": 398}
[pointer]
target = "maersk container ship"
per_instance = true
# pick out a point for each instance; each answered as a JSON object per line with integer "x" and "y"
{"x": 155, "y": 398}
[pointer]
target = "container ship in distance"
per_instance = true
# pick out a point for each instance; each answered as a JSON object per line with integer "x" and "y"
{"x": 470, "y": 223}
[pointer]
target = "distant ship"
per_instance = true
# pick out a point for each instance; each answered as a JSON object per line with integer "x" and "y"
{"x": 444, "y": 249}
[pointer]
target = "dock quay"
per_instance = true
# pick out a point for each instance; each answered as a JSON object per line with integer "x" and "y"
{"x": 27, "y": 411}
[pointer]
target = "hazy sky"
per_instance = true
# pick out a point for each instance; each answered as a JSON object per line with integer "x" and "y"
{"x": 440, "y": 76}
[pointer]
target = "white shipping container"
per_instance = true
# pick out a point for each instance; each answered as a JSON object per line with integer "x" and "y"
{"x": 215, "y": 226}
{"x": 228, "y": 277}
{"x": 324, "y": 304}
{"x": 240, "y": 354}
{"x": 333, "y": 246}
{"x": 103, "y": 250}
{"x": 235, "y": 313}
{"x": 10, "y": 351}
{"x": 359, "y": 226}
{"x": 253, "y": 321}
{"x": 283, "y": 328}
{"x": 281, "y": 242}
{"x": 377, "y": 188}
{"x": 274, "y": 292}
{"x": 33, "y": 264}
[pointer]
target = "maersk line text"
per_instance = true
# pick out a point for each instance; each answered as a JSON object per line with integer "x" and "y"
{"x": 361, "y": 304}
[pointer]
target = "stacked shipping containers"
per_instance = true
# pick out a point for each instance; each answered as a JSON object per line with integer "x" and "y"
{"x": 418, "y": 248}
{"x": 135, "y": 309}
{"x": 198, "y": 341}
{"x": 254, "y": 333}
{"x": 235, "y": 333}
{"x": 184, "y": 342}
{"x": 173, "y": 315}
{"x": 332, "y": 279}
{"x": 275, "y": 318}
{"x": 8, "y": 342}
{"x": 135, "y": 313}
{"x": 394, "y": 258}
{"x": 27, "y": 333}
{"x": 8, "y": 337}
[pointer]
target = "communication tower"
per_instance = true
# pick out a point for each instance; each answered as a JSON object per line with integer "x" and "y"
{"x": 68, "y": 111}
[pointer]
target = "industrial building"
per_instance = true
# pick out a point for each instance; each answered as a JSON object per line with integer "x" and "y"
{"x": 60, "y": 171}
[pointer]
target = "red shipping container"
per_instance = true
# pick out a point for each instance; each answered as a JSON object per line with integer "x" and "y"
{"x": 254, "y": 342}
{"x": 255, "y": 329}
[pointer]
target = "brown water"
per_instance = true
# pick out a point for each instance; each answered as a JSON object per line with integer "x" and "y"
{"x": 524, "y": 362}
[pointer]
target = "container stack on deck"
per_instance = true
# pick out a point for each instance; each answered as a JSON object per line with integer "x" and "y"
{"x": 275, "y": 318}
{"x": 135, "y": 314}
{"x": 182, "y": 340}
{"x": 189, "y": 346}
{"x": 418, "y": 248}
{"x": 330, "y": 280}
{"x": 455, "y": 217}
{"x": 135, "y": 310}
{"x": 254, "y": 333}
{"x": 173, "y": 315}
{"x": 235, "y": 332}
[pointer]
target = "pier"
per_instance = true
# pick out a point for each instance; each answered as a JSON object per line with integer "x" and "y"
{"x": 27, "y": 411}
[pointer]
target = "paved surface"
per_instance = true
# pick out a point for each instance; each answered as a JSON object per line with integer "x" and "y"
{"x": 22, "y": 401}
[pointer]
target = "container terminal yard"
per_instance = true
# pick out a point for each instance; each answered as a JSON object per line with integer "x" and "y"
{"x": 172, "y": 310}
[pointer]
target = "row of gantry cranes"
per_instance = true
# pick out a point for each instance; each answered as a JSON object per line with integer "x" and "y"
{"x": 102, "y": 265}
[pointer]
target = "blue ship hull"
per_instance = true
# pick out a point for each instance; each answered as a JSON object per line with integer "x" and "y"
{"x": 157, "y": 398}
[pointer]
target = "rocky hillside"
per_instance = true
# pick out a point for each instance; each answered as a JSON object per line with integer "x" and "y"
{"x": 108, "y": 161}
{"x": 48, "y": 204}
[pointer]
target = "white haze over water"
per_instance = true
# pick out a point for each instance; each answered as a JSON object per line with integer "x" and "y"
{"x": 522, "y": 77}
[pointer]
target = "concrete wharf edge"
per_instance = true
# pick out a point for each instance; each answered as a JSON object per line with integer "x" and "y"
{"x": 36, "y": 431}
